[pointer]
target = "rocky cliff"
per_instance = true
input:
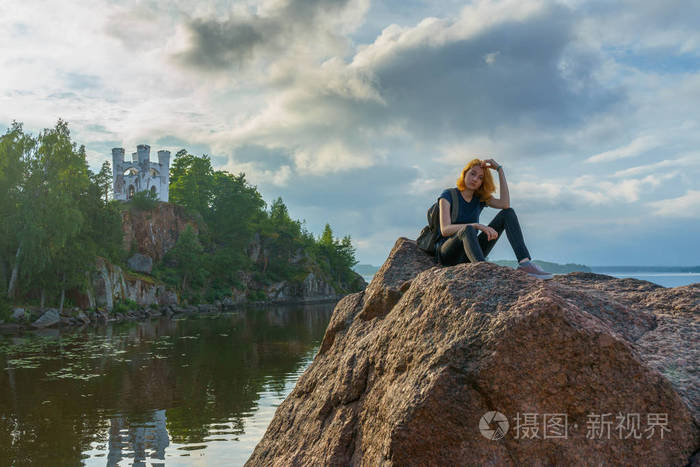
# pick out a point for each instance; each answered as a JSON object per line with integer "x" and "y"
{"x": 313, "y": 287}
{"x": 150, "y": 234}
{"x": 154, "y": 232}
{"x": 109, "y": 284}
{"x": 479, "y": 364}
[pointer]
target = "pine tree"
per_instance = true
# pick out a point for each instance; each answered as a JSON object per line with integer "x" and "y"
{"x": 103, "y": 179}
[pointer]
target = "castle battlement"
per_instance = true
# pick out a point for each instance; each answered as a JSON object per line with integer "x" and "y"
{"x": 140, "y": 174}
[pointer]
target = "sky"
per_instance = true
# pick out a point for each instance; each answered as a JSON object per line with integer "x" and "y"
{"x": 359, "y": 113}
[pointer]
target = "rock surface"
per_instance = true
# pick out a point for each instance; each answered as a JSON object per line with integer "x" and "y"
{"x": 109, "y": 284}
{"x": 155, "y": 231}
{"x": 408, "y": 368}
{"x": 18, "y": 314}
{"x": 311, "y": 288}
{"x": 140, "y": 263}
{"x": 50, "y": 318}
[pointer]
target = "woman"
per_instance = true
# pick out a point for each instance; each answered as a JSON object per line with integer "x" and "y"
{"x": 459, "y": 243}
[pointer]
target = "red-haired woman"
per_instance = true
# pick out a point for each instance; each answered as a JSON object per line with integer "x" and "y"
{"x": 459, "y": 242}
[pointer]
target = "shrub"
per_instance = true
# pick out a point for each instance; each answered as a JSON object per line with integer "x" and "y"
{"x": 256, "y": 296}
{"x": 5, "y": 309}
{"x": 144, "y": 200}
{"x": 124, "y": 305}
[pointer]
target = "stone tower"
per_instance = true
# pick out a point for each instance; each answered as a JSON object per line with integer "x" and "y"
{"x": 140, "y": 174}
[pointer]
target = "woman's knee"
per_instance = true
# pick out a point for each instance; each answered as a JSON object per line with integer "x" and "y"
{"x": 509, "y": 213}
{"x": 467, "y": 230}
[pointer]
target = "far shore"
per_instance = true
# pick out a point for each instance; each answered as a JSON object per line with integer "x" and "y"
{"x": 558, "y": 268}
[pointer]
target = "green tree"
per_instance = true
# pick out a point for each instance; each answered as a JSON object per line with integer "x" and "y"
{"x": 236, "y": 209}
{"x": 191, "y": 181}
{"x": 185, "y": 260}
{"x": 103, "y": 179}
{"x": 58, "y": 216}
{"x": 326, "y": 239}
{"x": 346, "y": 253}
{"x": 15, "y": 148}
{"x": 144, "y": 200}
{"x": 235, "y": 215}
{"x": 50, "y": 218}
{"x": 336, "y": 257}
{"x": 282, "y": 237}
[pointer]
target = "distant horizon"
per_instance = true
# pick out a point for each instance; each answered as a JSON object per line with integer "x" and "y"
{"x": 584, "y": 264}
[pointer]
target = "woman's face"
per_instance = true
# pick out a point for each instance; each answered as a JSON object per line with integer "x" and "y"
{"x": 474, "y": 177}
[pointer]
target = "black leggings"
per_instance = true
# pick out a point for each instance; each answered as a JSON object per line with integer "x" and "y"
{"x": 466, "y": 247}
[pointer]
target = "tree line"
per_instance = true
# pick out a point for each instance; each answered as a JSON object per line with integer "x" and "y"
{"x": 57, "y": 217}
{"x": 55, "y": 220}
{"x": 234, "y": 216}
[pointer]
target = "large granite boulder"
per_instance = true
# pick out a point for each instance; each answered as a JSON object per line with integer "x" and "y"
{"x": 480, "y": 364}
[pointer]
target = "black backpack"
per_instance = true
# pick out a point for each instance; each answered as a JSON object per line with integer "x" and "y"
{"x": 431, "y": 232}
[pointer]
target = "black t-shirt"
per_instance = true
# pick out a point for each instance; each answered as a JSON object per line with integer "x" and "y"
{"x": 468, "y": 213}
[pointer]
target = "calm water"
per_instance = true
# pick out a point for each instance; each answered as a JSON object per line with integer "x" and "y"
{"x": 196, "y": 391}
{"x": 670, "y": 279}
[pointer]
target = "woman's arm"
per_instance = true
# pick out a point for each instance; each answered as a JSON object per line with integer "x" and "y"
{"x": 504, "y": 201}
{"x": 447, "y": 228}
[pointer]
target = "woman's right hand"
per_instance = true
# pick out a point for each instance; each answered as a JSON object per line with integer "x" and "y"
{"x": 491, "y": 234}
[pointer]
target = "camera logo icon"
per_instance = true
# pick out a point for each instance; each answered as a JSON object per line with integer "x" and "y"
{"x": 493, "y": 425}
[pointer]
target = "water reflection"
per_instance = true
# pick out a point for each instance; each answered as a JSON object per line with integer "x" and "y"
{"x": 165, "y": 392}
{"x": 138, "y": 440}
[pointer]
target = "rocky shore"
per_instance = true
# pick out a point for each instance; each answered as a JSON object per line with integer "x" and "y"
{"x": 480, "y": 364}
{"x": 27, "y": 318}
{"x": 114, "y": 293}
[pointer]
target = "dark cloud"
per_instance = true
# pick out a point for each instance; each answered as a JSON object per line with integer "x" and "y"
{"x": 361, "y": 201}
{"x": 218, "y": 45}
{"x": 262, "y": 157}
{"x": 222, "y": 44}
{"x": 511, "y": 77}
{"x": 351, "y": 189}
{"x": 455, "y": 88}
{"x": 171, "y": 141}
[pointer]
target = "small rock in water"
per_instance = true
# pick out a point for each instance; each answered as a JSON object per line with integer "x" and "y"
{"x": 50, "y": 318}
{"x": 18, "y": 314}
{"x": 82, "y": 317}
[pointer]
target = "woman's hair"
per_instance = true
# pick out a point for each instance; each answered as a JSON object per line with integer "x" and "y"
{"x": 487, "y": 186}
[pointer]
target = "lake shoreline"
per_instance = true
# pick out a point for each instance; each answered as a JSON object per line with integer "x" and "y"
{"x": 76, "y": 318}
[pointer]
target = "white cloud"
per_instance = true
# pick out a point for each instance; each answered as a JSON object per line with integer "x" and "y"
{"x": 688, "y": 161}
{"x": 490, "y": 58}
{"x": 634, "y": 148}
{"x": 686, "y": 206}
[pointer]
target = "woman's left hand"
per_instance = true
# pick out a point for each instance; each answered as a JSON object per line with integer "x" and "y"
{"x": 490, "y": 164}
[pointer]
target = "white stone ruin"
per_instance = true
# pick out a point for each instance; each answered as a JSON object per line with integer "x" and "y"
{"x": 140, "y": 174}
